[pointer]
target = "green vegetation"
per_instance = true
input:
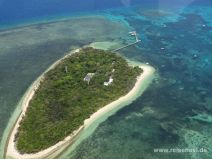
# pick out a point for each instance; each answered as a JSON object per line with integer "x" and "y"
{"x": 64, "y": 100}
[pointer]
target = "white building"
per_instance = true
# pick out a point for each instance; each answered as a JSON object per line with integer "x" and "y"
{"x": 88, "y": 77}
{"x": 109, "y": 82}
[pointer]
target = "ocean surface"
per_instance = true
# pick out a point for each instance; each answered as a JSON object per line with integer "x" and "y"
{"x": 175, "y": 112}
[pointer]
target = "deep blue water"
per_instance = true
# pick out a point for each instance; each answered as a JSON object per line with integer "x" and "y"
{"x": 175, "y": 111}
{"x": 18, "y": 11}
{"x": 21, "y": 10}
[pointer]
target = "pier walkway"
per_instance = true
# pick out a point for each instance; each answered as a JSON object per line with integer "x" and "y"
{"x": 133, "y": 33}
{"x": 126, "y": 46}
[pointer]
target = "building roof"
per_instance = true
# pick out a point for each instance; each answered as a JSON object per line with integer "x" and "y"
{"x": 89, "y": 76}
{"x": 109, "y": 82}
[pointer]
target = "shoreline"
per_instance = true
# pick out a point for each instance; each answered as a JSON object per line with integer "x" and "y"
{"x": 147, "y": 71}
{"x": 11, "y": 152}
{"x": 101, "y": 115}
{"x": 24, "y": 104}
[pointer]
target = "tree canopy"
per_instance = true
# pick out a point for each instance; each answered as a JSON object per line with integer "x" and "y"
{"x": 64, "y": 100}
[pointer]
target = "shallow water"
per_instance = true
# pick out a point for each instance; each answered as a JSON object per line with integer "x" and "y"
{"x": 175, "y": 112}
{"x": 27, "y": 52}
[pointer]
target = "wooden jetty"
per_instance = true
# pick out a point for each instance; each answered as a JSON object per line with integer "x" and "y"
{"x": 133, "y": 33}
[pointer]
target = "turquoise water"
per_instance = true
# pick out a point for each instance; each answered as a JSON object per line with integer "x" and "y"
{"x": 26, "y": 52}
{"x": 174, "y": 112}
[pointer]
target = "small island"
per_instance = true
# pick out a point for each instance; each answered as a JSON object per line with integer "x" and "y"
{"x": 70, "y": 93}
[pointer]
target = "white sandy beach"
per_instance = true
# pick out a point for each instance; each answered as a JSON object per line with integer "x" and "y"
{"x": 142, "y": 83}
